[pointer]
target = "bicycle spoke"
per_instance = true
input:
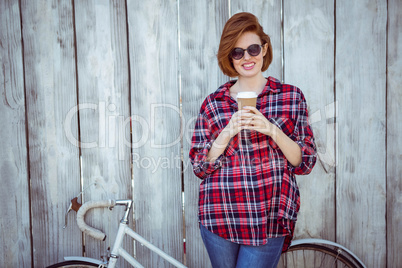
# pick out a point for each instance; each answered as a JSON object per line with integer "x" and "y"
{"x": 315, "y": 256}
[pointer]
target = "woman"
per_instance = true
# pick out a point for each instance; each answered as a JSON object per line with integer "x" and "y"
{"x": 248, "y": 158}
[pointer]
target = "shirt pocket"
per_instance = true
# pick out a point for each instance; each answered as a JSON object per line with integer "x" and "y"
{"x": 287, "y": 125}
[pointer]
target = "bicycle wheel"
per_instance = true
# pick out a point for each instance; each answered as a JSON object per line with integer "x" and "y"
{"x": 73, "y": 264}
{"x": 314, "y": 256}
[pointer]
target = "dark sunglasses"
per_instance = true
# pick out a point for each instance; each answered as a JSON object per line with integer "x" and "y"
{"x": 253, "y": 50}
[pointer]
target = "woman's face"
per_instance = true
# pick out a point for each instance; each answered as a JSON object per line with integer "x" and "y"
{"x": 249, "y": 66}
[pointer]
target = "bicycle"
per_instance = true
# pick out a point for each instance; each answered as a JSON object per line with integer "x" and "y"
{"x": 117, "y": 251}
{"x": 302, "y": 252}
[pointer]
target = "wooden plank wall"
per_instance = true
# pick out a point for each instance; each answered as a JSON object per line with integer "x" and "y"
{"x": 361, "y": 96}
{"x": 155, "y": 98}
{"x": 53, "y": 162}
{"x": 394, "y": 137}
{"x": 103, "y": 86}
{"x": 73, "y": 72}
{"x": 15, "y": 235}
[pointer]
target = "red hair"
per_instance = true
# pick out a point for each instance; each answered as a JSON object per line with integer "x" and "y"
{"x": 237, "y": 25}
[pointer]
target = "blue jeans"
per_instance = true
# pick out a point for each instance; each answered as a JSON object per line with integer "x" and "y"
{"x": 224, "y": 253}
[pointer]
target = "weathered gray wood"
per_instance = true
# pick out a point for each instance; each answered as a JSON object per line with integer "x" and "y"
{"x": 15, "y": 241}
{"x": 104, "y": 113}
{"x": 309, "y": 64}
{"x": 53, "y": 157}
{"x": 360, "y": 92}
{"x": 201, "y": 25}
{"x": 394, "y": 137}
{"x": 155, "y": 96}
{"x": 269, "y": 16}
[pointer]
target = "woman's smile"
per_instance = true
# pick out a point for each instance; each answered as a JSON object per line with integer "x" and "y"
{"x": 249, "y": 66}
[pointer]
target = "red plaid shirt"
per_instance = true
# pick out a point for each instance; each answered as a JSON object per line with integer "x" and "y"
{"x": 249, "y": 194}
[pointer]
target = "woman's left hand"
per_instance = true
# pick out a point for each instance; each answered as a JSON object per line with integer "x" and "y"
{"x": 255, "y": 120}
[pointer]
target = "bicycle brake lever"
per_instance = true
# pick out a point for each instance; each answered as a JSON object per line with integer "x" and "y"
{"x": 65, "y": 216}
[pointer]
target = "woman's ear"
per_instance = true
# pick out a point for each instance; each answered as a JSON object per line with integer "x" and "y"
{"x": 264, "y": 49}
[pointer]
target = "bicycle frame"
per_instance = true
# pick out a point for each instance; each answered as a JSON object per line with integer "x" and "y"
{"x": 118, "y": 250}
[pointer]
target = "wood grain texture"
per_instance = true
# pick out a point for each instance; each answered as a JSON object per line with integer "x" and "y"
{"x": 155, "y": 97}
{"x": 15, "y": 240}
{"x": 309, "y": 64}
{"x": 361, "y": 96}
{"x": 363, "y": 183}
{"x": 394, "y": 137}
{"x": 201, "y": 25}
{"x": 269, "y": 16}
{"x": 53, "y": 158}
{"x": 103, "y": 78}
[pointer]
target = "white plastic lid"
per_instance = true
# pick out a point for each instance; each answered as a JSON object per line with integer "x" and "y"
{"x": 246, "y": 95}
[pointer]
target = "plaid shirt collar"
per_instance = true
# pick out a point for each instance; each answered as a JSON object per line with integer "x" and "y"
{"x": 273, "y": 86}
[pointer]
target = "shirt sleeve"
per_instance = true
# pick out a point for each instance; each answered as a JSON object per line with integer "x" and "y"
{"x": 201, "y": 142}
{"x": 305, "y": 139}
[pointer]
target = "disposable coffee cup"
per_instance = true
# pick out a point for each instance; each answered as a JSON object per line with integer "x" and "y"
{"x": 246, "y": 98}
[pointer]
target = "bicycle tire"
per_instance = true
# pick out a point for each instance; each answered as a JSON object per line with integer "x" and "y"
{"x": 73, "y": 264}
{"x": 316, "y": 255}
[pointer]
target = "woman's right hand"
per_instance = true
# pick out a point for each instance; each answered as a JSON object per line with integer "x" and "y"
{"x": 236, "y": 123}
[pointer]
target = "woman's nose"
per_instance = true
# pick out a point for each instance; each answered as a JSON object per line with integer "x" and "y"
{"x": 246, "y": 55}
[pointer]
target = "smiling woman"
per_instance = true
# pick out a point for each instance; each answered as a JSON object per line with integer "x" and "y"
{"x": 248, "y": 157}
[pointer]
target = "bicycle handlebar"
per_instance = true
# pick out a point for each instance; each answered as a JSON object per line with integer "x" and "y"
{"x": 95, "y": 233}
